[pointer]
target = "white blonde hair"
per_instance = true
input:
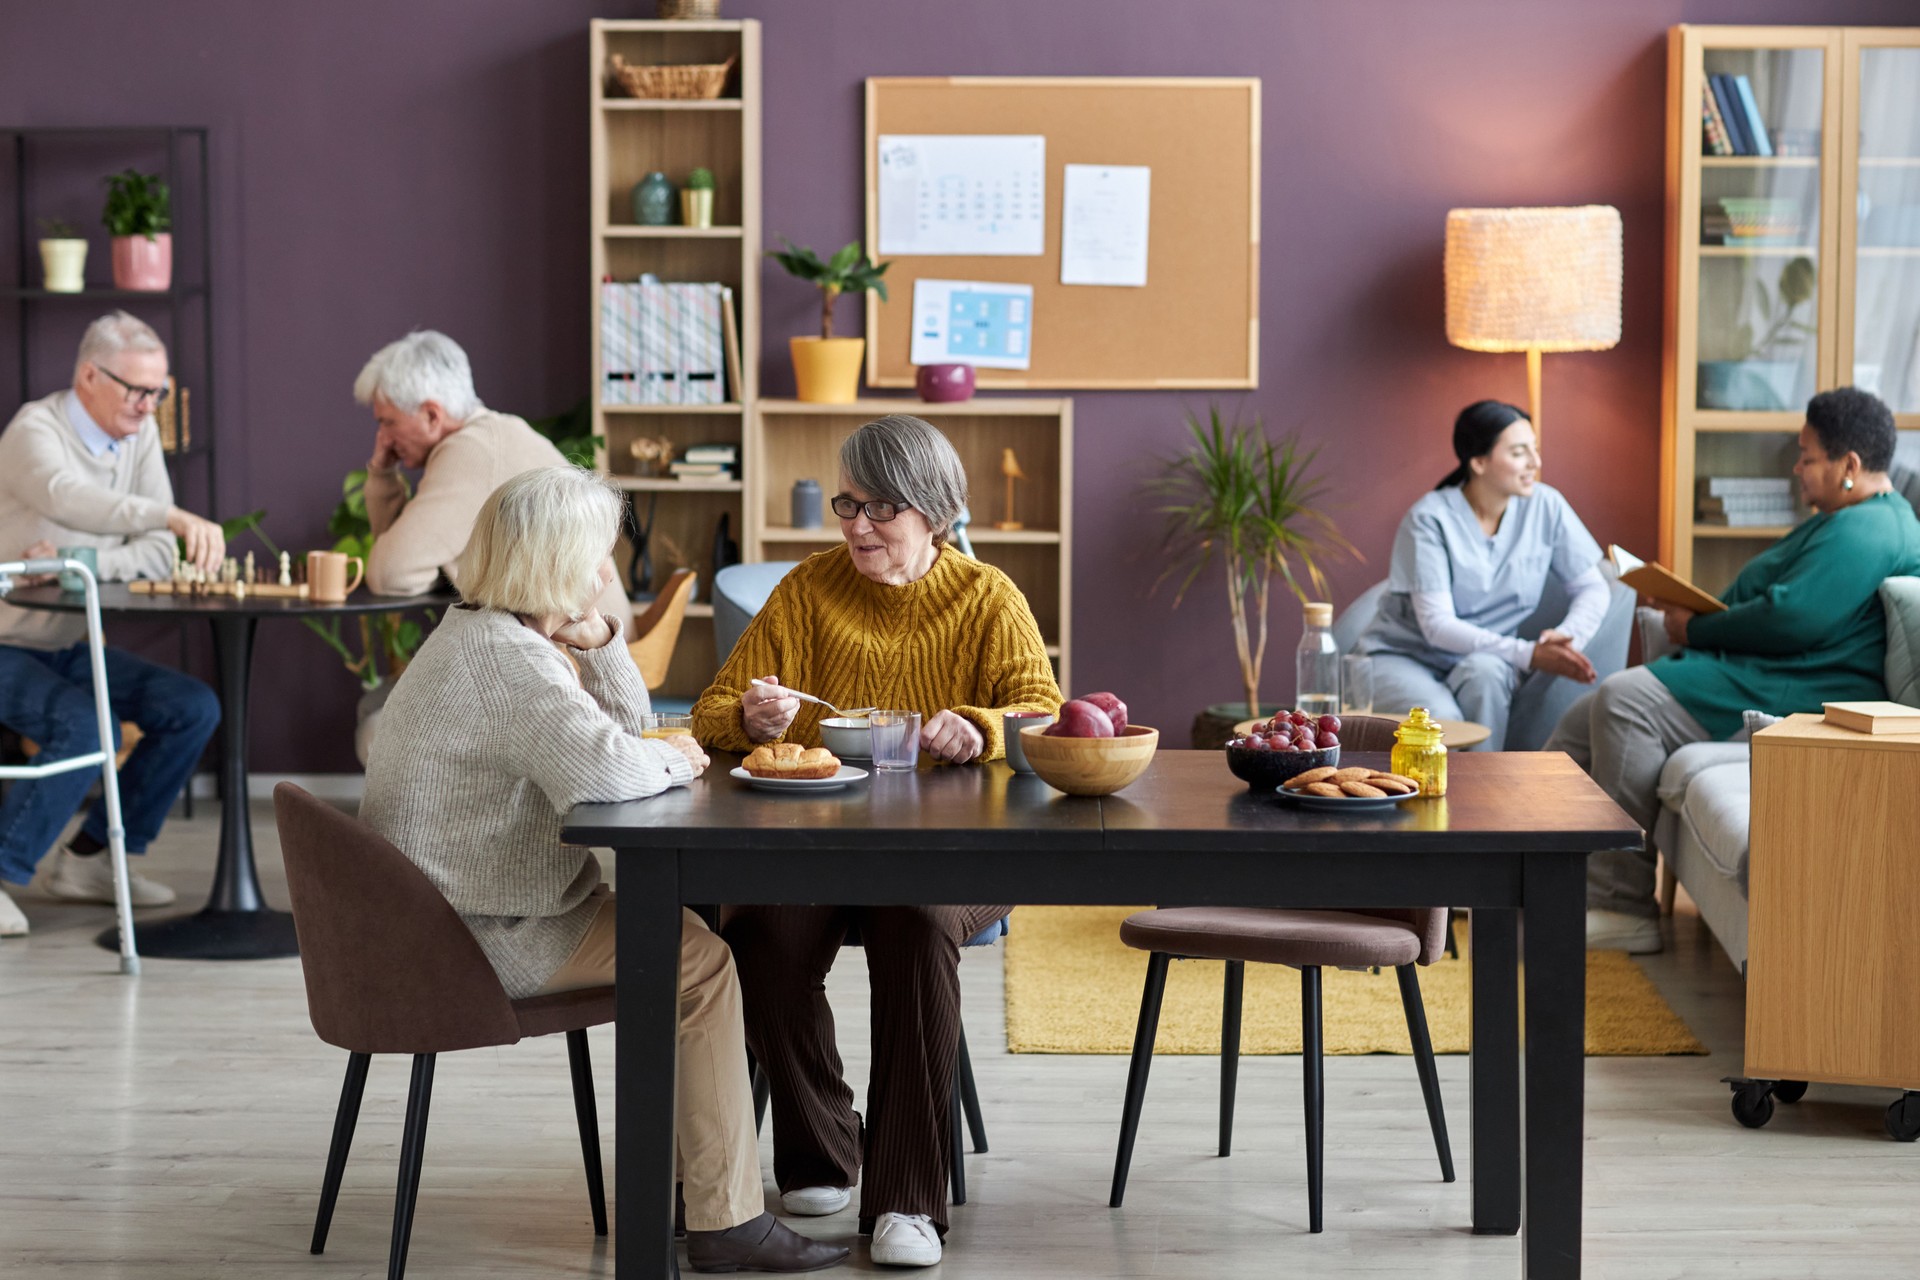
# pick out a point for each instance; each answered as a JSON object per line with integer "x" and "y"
{"x": 110, "y": 335}
{"x": 422, "y": 366}
{"x": 538, "y": 542}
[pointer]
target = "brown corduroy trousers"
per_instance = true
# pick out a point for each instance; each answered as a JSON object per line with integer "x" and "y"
{"x": 913, "y": 956}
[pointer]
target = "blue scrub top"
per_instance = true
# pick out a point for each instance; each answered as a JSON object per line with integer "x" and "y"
{"x": 1496, "y": 582}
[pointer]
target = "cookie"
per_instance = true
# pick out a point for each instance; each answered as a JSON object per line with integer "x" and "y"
{"x": 1355, "y": 774}
{"x": 1354, "y": 787}
{"x": 1324, "y": 789}
{"x": 1392, "y": 786}
{"x": 1311, "y": 776}
{"x": 1397, "y": 777}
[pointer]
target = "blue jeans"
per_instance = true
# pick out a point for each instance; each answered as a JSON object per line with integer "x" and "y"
{"x": 47, "y": 695}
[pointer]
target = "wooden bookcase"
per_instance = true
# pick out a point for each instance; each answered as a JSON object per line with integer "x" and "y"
{"x": 1842, "y": 195}
{"x": 789, "y": 440}
{"x": 630, "y": 138}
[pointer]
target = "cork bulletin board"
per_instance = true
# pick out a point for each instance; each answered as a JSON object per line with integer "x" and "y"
{"x": 1196, "y": 323}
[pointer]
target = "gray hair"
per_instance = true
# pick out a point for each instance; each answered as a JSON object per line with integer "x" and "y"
{"x": 422, "y": 366}
{"x": 538, "y": 542}
{"x": 113, "y": 333}
{"x": 901, "y": 458}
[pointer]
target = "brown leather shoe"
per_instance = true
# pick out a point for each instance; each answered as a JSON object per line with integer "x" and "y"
{"x": 764, "y": 1244}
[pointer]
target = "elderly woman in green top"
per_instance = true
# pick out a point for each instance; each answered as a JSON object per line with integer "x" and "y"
{"x": 1803, "y": 626}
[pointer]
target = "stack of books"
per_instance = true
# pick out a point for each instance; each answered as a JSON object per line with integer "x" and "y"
{"x": 1745, "y": 501}
{"x": 662, "y": 343}
{"x": 1730, "y": 118}
{"x": 707, "y": 462}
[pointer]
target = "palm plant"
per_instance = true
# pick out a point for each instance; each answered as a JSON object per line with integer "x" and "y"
{"x": 1251, "y": 500}
{"x": 848, "y": 271}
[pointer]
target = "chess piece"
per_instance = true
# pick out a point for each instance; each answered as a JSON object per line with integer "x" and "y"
{"x": 1010, "y": 468}
{"x": 286, "y": 569}
{"x": 248, "y": 575}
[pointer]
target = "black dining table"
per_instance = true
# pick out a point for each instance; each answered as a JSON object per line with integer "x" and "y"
{"x": 1509, "y": 841}
{"x": 236, "y": 923}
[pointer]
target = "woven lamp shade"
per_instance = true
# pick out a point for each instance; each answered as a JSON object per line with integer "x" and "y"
{"x": 1534, "y": 279}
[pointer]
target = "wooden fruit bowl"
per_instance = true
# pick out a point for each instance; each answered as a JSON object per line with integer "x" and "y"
{"x": 1090, "y": 766}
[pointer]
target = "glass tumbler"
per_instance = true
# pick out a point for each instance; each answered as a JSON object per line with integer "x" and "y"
{"x": 661, "y": 724}
{"x": 896, "y": 739}
{"x": 1356, "y": 685}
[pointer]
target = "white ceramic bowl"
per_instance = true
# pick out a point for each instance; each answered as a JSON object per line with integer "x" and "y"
{"x": 847, "y": 737}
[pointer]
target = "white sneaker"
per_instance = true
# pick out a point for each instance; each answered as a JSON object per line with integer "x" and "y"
{"x": 905, "y": 1240}
{"x": 1618, "y": 931}
{"x": 816, "y": 1202}
{"x": 13, "y": 922}
{"x": 90, "y": 879}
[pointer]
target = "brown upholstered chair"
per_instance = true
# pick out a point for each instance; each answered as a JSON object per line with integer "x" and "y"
{"x": 1308, "y": 941}
{"x": 657, "y": 631}
{"x": 391, "y": 968}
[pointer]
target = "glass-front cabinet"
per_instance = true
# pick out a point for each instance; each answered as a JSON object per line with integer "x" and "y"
{"x": 1793, "y": 265}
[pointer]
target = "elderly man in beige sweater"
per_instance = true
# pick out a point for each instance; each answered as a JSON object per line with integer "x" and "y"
{"x": 420, "y": 389}
{"x": 83, "y": 468}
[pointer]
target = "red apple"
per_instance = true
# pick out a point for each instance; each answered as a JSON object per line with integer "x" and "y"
{"x": 1080, "y": 719}
{"x": 1116, "y": 710}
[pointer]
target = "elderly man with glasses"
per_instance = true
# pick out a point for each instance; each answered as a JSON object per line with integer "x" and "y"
{"x": 83, "y": 467}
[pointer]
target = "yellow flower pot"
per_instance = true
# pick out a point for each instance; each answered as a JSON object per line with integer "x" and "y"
{"x": 696, "y": 207}
{"x": 827, "y": 369}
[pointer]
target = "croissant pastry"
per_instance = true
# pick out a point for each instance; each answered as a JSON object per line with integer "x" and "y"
{"x": 791, "y": 760}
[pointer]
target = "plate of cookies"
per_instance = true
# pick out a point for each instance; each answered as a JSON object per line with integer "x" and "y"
{"x": 788, "y": 766}
{"x": 1346, "y": 790}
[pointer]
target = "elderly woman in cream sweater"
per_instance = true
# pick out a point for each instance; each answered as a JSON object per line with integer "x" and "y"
{"x": 490, "y": 737}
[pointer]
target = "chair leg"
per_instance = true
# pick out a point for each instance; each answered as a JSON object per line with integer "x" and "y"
{"x": 1312, "y": 1071}
{"x": 1453, "y": 938}
{"x": 588, "y": 1114}
{"x": 413, "y": 1145}
{"x": 1143, "y": 1037}
{"x": 762, "y": 1090}
{"x": 1669, "y": 885}
{"x": 956, "y": 1146}
{"x": 1230, "y": 1049}
{"x": 1423, "y": 1062}
{"x": 343, "y": 1121}
{"x": 970, "y": 1096}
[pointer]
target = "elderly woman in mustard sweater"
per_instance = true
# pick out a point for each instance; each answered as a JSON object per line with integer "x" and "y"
{"x": 896, "y": 618}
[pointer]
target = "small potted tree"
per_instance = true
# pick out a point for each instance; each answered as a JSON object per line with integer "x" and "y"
{"x": 826, "y": 368}
{"x": 696, "y": 199}
{"x": 63, "y": 256}
{"x": 138, "y": 216}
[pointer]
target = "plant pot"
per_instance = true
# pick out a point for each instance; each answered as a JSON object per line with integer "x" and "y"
{"x": 1748, "y": 384}
{"x": 143, "y": 263}
{"x": 1212, "y": 727}
{"x": 696, "y": 207}
{"x": 65, "y": 265}
{"x": 827, "y": 370}
{"x": 366, "y": 714}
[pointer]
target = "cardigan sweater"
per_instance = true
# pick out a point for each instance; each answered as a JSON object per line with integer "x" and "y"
{"x": 488, "y": 740}
{"x": 960, "y": 638}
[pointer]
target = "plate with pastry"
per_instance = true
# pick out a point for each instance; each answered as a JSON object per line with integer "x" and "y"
{"x": 788, "y": 766}
{"x": 1348, "y": 790}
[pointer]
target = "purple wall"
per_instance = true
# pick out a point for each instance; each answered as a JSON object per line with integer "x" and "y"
{"x": 380, "y": 166}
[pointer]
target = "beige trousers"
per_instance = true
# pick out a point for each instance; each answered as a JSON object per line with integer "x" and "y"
{"x": 717, "y": 1151}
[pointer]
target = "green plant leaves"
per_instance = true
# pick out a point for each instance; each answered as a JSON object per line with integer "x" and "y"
{"x": 849, "y": 270}
{"x": 138, "y": 204}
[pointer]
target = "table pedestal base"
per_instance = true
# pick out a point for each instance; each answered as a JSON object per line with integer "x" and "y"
{"x": 211, "y": 934}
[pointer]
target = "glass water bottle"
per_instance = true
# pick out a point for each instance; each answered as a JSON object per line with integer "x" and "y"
{"x": 1316, "y": 688}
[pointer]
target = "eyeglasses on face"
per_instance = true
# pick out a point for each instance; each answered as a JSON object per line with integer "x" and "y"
{"x": 877, "y": 511}
{"x": 157, "y": 395}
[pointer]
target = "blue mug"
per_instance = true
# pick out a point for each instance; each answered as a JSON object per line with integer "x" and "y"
{"x": 71, "y": 581}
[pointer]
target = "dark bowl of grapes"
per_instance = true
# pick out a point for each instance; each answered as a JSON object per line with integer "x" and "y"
{"x": 1274, "y": 750}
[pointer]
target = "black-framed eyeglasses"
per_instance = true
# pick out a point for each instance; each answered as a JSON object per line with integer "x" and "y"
{"x": 136, "y": 394}
{"x": 877, "y": 511}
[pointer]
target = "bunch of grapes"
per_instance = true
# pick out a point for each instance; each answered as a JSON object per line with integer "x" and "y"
{"x": 1291, "y": 731}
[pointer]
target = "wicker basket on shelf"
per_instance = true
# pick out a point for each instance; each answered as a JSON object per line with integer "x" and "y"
{"x": 689, "y": 10}
{"x": 685, "y": 80}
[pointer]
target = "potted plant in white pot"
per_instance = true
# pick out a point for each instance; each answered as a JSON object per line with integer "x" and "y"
{"x": 826, "y": 368}
{"x": 1251, "y": 500}
{"x": 138, "y": 215}
{"x": 63, "y": 256}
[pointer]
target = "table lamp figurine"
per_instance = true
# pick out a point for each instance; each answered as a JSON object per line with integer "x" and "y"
{"x": 1010, "y": 468}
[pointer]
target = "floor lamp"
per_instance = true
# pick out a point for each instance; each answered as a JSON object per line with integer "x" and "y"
{"x": 1534, "y": 280}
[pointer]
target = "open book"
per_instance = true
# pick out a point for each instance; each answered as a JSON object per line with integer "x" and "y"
{"x": 1660, "y": 583}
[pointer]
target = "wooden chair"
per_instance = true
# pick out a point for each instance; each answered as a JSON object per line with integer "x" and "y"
{"x": 656, "y": 631}
{"x": 390, "y": 968}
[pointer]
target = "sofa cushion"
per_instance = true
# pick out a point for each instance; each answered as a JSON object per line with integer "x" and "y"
{"x": 1900, "y": 597}
{"x": 1684, "y": 765}
{"x": 1716, "y": 810}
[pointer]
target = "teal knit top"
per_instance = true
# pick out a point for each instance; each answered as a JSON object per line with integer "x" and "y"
{"x": 1803, "y": 623}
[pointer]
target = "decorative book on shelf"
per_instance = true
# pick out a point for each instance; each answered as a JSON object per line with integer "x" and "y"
{"x": 1873, "y": 717}
{"x": 1661, "y": 583}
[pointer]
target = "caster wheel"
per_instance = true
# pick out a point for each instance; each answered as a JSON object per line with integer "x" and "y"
{"x": 1753, "y": 1104}
{"x": 1790, "y": 1091}
{"x": 1903, "y": 1118}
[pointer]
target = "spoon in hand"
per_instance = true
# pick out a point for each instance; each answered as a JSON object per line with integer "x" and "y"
{"x": 818, "y": 702}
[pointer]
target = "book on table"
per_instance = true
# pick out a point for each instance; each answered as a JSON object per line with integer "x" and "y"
{"x": 1661, "y": 583}
{"x": 1873, "y": 717}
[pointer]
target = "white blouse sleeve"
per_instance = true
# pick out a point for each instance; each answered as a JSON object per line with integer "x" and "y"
{"x": 1445, "y": 631}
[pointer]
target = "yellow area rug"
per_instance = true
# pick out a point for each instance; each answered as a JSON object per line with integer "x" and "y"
{"x": 1074, "y": 987}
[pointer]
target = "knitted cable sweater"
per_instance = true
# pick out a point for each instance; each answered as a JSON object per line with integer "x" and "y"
{"x": 486, "y": 743}
{"x": 961, "y": 638}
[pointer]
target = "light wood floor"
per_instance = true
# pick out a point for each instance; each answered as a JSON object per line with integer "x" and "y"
{"x": 175, "y": 1125}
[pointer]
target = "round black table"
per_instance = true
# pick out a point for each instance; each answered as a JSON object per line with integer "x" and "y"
{"x": 236, "y": 923}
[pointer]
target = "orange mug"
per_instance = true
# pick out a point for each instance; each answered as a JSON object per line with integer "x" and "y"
{"x": 327, "y": 576}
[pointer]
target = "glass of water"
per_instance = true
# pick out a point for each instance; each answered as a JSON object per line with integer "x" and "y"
{"x": 896, "y": 739}
{"x": 1356, "y": 685}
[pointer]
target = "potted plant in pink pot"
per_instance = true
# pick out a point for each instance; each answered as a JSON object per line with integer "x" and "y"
{"x": 138, "y": 216}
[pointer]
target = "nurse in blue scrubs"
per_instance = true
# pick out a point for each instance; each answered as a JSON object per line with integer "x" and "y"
{"x": 1470, "y": 562}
